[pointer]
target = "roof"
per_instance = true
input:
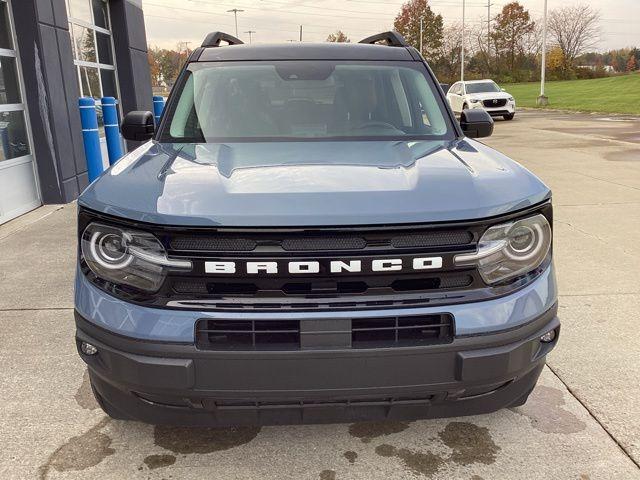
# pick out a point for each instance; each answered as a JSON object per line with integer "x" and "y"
{"x": 305, "y": 51}
{"x": 479, "y": 81}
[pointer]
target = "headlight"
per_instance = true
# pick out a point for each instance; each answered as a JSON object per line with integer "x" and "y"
{"x": 509, "y": 250}
{"x": 511, "y": 99}
{"x": 474, "y": 100}
{"x": 127, "y": 257}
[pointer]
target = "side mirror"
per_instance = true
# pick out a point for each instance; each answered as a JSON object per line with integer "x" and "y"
{"x": 502, "y": 89}
{"x": 138, "y": 126}
{"x": 476, "y": 123}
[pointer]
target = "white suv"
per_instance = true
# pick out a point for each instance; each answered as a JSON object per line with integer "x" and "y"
{"x": 483, "y": 94}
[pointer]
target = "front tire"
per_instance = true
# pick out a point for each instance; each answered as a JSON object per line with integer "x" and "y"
{"x": 509, "y": 116}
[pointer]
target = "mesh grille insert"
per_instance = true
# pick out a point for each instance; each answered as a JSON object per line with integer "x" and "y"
{"x": 433, "y": 239}
{"x": 213, "y": 244}
{"x": 294, "y": 243}
{"x": 418, "y": 284}
{"x": 323, "y": 243}
{"x": 186, "y": 286}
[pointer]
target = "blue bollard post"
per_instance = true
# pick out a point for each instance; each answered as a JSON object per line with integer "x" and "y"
{"x": 111, "y": 129}
{"x": 90, "y": 137}
{"x": 158, "y": 107}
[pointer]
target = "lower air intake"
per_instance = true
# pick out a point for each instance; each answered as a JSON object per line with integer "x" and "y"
{"x": 343, "y": 333}
{"x": 248, "y": 334}
{"x": 401, "y": 331}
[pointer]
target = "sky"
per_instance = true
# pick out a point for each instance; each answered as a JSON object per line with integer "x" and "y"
{"x": 169, "y": 22}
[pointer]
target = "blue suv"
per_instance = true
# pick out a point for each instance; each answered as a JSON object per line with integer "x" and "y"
{"x": 310, "y": 236}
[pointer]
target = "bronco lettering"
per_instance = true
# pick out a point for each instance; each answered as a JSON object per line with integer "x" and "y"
{"x": 330, "y": 265}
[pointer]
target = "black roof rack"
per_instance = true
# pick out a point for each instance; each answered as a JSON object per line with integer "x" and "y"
{"x": 391, "y": 38}
{"x": 214, "y": 39}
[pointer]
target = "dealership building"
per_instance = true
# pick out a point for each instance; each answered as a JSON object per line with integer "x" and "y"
{"x": 51, "y": 53}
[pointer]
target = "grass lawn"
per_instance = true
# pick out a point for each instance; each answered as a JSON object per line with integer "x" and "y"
{"x": 611, "y": 95}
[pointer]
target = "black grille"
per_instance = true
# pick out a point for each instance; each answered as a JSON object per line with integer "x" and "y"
{"x": 213, "y": 244}
{"x": 311, "y": 287}
{"x": 497, "y": 113}
{"x": 361, "y": 288}
{"x": 357, "y": 333}
{"x": 432, "y": 283}
{"x": 433, "y": 239}
{"x": 248, "y": 334}
{"x": 299, "y": 242}
{"x": 401, "y": 331}
{"x": 321, "y": 243}
{"x": 498, "y": 102}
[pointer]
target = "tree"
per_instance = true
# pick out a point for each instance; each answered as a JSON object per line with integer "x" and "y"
{"x": 555, "y": 59}
{"x": 476, "y": 50}
{"x": 632, "y": 65}
{"x": 513, "y": 26}
{"x": 447, "y": 63}
{"x": 575, "y": 29}
{"x": 168, "y": 64}
{"x": 339, "y": 37}
{"x": 154, "y": 66}
{"x": 407, "y": 23}
{"x": 615, "y": 64}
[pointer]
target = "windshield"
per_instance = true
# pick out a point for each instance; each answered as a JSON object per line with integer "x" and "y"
{"x": 247, "y": 101}
{"x": 482, "y": 87}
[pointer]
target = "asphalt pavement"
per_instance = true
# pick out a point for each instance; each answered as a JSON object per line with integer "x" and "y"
{"x": 582, "y": 421}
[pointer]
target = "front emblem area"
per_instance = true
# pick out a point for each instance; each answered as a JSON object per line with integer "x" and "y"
{"x": 322, "y": 266}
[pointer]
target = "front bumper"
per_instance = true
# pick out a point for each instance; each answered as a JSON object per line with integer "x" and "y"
{"x": 508, "y": 109}
{"x": 175, "y": 383}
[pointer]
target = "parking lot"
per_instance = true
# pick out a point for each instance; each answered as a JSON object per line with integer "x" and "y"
{"x": 582, "y": 421}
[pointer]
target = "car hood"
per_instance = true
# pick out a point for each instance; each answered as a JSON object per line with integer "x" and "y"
{"x": 489, "y": 95}
{"x": 316, "y": 183}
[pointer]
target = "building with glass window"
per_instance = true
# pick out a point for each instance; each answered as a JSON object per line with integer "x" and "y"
{"x": 51, "y": 53}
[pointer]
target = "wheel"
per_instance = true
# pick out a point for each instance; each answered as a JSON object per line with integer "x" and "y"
{"x": 509, "y": 116}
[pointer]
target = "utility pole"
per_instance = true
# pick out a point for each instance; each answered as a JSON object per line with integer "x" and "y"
{"x": 250, "y": 32}
{"x": 462, "y": 49}
{"x": 421, "y": 35}
{"x": 489, "y": 4}
{"x": 235, "y": 14}
{"x": 543, "y": 100}
{"x": 183, "y": 46}
{"x": 300, "y": 32}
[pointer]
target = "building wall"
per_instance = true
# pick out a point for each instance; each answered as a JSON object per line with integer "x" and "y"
{"x": 130, "y": 42}
{"x": 50, "y": 82}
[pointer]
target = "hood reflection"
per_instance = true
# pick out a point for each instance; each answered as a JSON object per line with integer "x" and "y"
{"x": 313, "y": 183}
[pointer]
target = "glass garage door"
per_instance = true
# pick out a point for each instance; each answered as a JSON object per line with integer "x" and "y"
{"x": 93, "y": 55}
{"x": 18, "y": 185}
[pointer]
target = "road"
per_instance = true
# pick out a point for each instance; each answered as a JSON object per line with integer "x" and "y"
{"x": 582, "y": 422}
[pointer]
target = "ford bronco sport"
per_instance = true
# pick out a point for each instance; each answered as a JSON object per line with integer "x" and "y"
{"x": 308, "y": 235}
